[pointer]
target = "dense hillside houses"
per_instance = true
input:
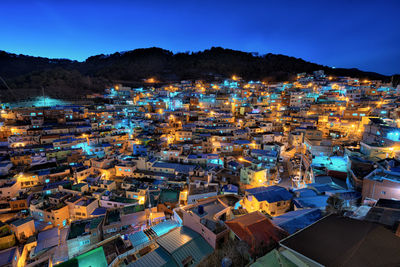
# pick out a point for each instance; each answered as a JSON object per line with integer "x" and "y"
{"x": 194, "y": 173}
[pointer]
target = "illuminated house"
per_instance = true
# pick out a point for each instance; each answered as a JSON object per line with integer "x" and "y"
{"x": 377, "y": 151}
{"x": 274, "y": 200}
{"x": 83, "y": 234}
{"x": 9, "y": 189}
{"x": 82, "y": 173}
{"x": 259, "y": 233}
{"x": 297, "y": 99}
{"x": 7, "y": 237}
{"x": 380, "y": 133}
{"x": 125, "y": 170}
{"x": 20, "y": 202}
{"x": 207, "y": 216}
{"x": 381, "y": 184}
{"x": 75, "y": 189}
{"x": 183, "y": 136}
{"x": 108, "y": 185}
{"x": 81, "y": 207}
{"x": 57, "y": 214}
{"x": 269, "y": 156}
{"x": 23, "y": 228}
{"x": 117, "y": 219}
{"x": 253, "y": 175}
{"x": 18, "y": 159}
{"x": 199, "y": 190}
{"x": 179, "y": 247}
{"x": 295, "y": 139}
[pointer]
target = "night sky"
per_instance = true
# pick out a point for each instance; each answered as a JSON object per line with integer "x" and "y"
{"x": 361, "y": 34}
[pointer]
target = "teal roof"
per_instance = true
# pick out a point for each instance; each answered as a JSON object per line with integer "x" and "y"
{"x": 174, "y": 247}
{"x": 164, "y": 227}
{"x": 157, "y": 258}
{"x": 138, "y": 238}
{"x": 183, "y": 242}
{"x": 92, "y": 258}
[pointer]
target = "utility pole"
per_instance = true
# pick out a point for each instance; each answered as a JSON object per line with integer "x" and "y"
{"x": 44, "y": 101}
{"x": 301, "y": 166}
{"x": 8, "y": 88}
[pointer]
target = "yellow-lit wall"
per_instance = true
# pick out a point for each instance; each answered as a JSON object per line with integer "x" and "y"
{"x": 273, "y": 209}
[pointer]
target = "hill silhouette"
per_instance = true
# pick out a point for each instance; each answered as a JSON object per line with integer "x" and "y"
{"x": 67, "y": 78}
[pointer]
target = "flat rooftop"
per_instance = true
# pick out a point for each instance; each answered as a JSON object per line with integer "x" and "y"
{"x": 341, "y": 241}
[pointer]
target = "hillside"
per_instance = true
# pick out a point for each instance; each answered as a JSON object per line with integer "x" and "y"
{"x": 65, "y": 78}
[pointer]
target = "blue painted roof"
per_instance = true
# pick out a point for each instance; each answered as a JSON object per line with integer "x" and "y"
{"x": 55, "y": 185}
{"x": 99, "y": 211}
{"x": 270, "y": 194}
{"x": 241, "y": 142}
{"x": 311, "y": 202}
{"x": 230, "y": 188}
{"x": 321, "y": 188}
{"x": 306, "y": 192}
{"x": 293, "y": 221}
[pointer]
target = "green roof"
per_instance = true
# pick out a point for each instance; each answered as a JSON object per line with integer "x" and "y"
{"x": 273, "y": 259}
{"x": 79, "y": 227}
{"x": 123, "y": 200}
{"x": 132, "y": 209}
{"x": 93, "y": 258}
{"x": 168, "y": 195}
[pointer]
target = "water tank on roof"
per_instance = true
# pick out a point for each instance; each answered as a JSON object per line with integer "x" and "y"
{"x": 200, "y": 209}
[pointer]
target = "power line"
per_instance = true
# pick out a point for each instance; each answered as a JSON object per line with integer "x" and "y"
{"x": 9, "y": 89}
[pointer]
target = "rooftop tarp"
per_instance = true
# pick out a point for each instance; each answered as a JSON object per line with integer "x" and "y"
{"x": 296, "y": 220}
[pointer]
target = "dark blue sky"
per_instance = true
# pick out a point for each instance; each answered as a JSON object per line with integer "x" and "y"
{"x": 361, "y": 34}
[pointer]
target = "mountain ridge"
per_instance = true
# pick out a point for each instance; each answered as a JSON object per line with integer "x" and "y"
{"x": 64, "y": 77}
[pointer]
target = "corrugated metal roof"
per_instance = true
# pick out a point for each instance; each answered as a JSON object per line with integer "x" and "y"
{"x": 164, "y": 227}
{"x": 157, "y": 258}
{"x": 47, "y": 239}
{"x": 138, "y": 238}
{"x": 197, "y": 248}
{"x": 177, "y": 238}
{"x": 184, "y": 242}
